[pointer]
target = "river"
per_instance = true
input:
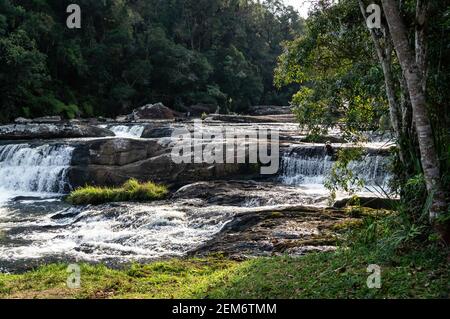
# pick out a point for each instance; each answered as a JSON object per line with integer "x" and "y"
{"x": 37, "y": 226}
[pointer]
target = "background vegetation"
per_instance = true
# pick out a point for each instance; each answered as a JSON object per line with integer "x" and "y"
{"x": 132, "y": 52}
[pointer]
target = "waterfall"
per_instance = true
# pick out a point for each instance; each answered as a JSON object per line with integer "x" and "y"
{"x": 304, "y": 169}
{"x": 134, "y": 131}
{"x": 297, "y": 170}
{"x": 43, "y": 169}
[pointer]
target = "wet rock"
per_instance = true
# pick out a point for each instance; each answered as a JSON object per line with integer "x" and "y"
{"x": 48, "y": 119}
{"x": 252, "y": 119}
{"x": 369, "y": 202}
{"x": 156, "y": 111}
{"x": 51, "y": 131}
{"x": 120, "y": 152}
{"x": 292, "y": 230}
{"x": 324, "y": 139}
{"x": 22, "y": 120}
{"x": 102, "y": 119}
{"x": 247, "y": 193}
{"x": 68, "y": 213}
{"x": 111, "y": 162}
{"x": 121, "y": 118}
{"x": 159, "y": 169}
{"x": 157, "y": 132}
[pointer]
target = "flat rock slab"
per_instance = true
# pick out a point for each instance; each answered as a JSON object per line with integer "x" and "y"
{"x": 31, "y": 131}
{"x": 284, "y": 118}
{"x": 292, "y": 230}
{"x": 249, "y": 194}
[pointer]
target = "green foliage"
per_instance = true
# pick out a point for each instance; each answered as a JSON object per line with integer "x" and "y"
{"x": 342, "y": 177}
{"x": 341, "y": 81}
{"x": 132, "y": 190}
{"x": 128, "y": 53}
{"x": 312, "y": 116}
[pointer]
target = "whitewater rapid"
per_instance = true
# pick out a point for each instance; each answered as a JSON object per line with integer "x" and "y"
{"x": 37, "y": 226}
{"x": 27, "y": 170}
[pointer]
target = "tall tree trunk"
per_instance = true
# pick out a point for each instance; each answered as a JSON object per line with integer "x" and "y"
{"x": 421, "y": 43}
{"x": 384, "y": 52}
{"x": 414, "y": 80}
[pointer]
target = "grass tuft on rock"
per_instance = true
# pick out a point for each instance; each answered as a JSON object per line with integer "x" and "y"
{"x": 132, "y": 190}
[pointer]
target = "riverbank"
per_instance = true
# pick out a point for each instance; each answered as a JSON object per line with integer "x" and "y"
{"x": 420, "y": 274}
{"x": 412, "y": 271}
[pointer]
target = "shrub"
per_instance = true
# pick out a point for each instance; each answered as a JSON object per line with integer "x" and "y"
{"x": 132, "y": 190}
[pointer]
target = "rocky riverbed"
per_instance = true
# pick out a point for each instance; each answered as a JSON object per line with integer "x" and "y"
{"x": 229, "y": 208}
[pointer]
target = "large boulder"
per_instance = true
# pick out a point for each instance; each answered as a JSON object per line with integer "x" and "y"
{"x": 51, "y": 131}
{"x": 111, "y": 162}
{"x": 115, "y": 152}
{"x": 156, "y": 111}
{"x": 158, "y": 132}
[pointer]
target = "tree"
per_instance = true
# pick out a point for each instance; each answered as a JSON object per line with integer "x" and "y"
{"x": 414, "y": 70}
{"x": 132, "y": 52}
{"x": 345, "y": 81}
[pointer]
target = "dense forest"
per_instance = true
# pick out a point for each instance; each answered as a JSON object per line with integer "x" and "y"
{"x": 131, "y": 52}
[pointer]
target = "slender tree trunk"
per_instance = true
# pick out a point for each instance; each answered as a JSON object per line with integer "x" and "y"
{"x": 384, "y": 53}
{"x": 414, "y": 80}
{"x": 422, "y": 9}
{"x": 405, "y": 106}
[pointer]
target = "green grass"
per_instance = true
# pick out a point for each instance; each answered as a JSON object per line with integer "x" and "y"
{"x": 132, "y": 190}
{"x": 343, "y": 274}
{"x": 169, "y": 279}
{"x": 419, "y": 274}
{"x": 418, "y": 269}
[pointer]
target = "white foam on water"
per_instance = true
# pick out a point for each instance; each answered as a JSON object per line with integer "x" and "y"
{"x": 33, "y": 171}
{"x": 132, "y": 232}
{"x": 126, "y": 131}
{"x": 310, "y": 172}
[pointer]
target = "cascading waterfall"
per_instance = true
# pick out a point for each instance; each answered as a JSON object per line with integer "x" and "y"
{"x": 134, "y": 131}
{"x": 313, "y": 170}
{"x": 40, "y": 169}
{"x": 297, "y": 170}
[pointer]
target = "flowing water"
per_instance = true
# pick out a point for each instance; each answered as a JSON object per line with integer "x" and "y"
{"x": 36, "y": 226}
{"x": 26, "y": 170}
{"x": 130, "y": 131}
{"x": 307, "y": 170}
{"x": 40, "y": 231}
